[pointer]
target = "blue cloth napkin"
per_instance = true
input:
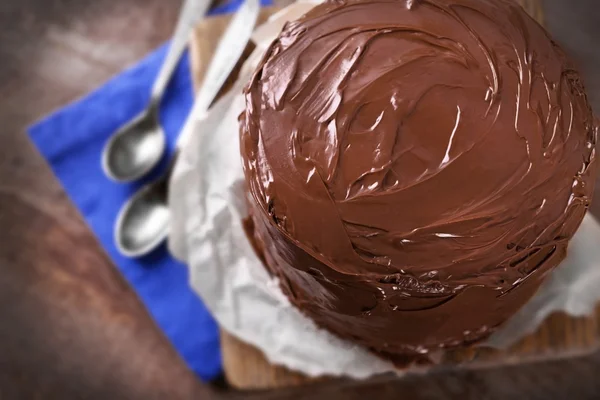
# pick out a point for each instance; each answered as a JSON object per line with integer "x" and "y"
{"x": 72, "y": 140}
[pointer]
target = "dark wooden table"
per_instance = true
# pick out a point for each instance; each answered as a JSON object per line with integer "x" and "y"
{"x": 70, "y": 327}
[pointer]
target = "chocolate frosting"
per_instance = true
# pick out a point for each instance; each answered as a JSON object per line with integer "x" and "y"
{"x": 416, "y": 167}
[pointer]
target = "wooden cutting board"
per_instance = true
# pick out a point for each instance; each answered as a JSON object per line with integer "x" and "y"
{"x": 246, "y": 368}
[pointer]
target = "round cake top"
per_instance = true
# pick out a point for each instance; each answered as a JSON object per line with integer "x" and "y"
{"x": 445, "y": 141}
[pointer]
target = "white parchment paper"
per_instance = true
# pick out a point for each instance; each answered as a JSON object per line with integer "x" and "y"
{"x": 207, "y": 204}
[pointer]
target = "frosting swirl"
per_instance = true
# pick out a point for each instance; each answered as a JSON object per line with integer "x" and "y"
{"x": 415, "y": 166}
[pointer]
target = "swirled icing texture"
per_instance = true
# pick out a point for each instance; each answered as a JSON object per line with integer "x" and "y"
{"x": 415, "y": 167}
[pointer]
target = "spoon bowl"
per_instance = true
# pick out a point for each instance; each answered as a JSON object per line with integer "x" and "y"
{"x": 143, "y": 223}
{"x": 135, "y": 149}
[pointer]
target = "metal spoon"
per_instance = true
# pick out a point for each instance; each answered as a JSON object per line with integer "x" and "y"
{"x": 138, "y": 145}
{"x": 143, "y": 222}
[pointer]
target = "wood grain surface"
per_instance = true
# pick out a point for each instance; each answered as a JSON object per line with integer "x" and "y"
{"x": 246, "y": 367}
{"x": 70, "y": 326}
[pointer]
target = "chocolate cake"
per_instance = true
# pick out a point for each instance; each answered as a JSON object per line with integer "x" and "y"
{"x": 415, "y": 168}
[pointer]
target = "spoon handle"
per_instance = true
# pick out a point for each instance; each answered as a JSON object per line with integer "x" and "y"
{"x": 229, "y": 51}
{"x": 191, "y": 12}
